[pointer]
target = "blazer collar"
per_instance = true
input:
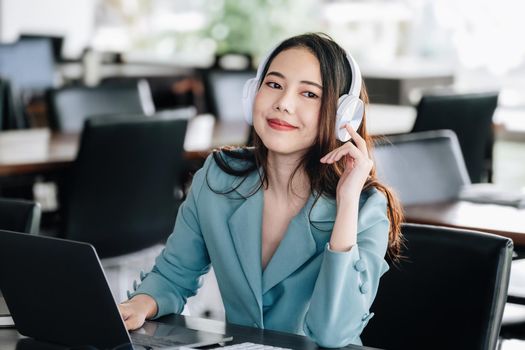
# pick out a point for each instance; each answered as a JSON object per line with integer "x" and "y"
{"x": 298, "y": 244}
{"x": 323, "y": 210}
{"x": 296, "y": 248}
{"x": 245, "y": 229}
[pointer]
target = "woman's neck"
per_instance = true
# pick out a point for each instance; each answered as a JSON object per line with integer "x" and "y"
{"x": 280, "y": 170}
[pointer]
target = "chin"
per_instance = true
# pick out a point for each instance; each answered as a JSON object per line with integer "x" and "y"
{"x": 282, "y": 146}
{"x": 281, "y": 142}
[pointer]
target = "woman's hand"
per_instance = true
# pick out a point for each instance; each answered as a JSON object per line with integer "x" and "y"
{"x": 136, "y": 310}
{"x": 357, "y": 168}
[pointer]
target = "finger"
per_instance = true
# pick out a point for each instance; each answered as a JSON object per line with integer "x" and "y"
{"x": 351, "y": 150}
{"x": 337, "y": 154}
{"x": 348, "y": 149}
{"x": 348, "y": 169}
{"x": 330, "y": 158}
{"x": 359, "y": 141}
{"x": 324, "y": 158}
{"x": 133, "y": 323}
{"x": 130, "y": 325}
{"x": 329, "y": 155}
{"x": 124, "y": 312}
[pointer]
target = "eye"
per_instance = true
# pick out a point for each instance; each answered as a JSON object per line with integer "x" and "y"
{"x": 273, "y": 85}
{"x": 310, "y": 94}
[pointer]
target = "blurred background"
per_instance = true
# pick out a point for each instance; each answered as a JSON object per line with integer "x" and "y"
{"x": 67, "y": 66}
{"x": 464, "y": 45}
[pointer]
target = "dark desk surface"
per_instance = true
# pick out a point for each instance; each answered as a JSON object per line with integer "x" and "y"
{"x": 10, "y": 339}
{"x": 497, "y": 219}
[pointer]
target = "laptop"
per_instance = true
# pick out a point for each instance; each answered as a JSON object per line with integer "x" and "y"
{"x": 57, "y": 292}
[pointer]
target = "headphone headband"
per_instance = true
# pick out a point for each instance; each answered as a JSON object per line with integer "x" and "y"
{"x": 355, "y": 86}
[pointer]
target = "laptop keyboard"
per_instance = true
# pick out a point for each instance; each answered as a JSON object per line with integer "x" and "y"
{"x": 149, "y": 341}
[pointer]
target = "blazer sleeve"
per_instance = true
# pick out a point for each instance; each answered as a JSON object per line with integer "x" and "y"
{"x": 347, "y": 282}
{"x": 177, "y": 272}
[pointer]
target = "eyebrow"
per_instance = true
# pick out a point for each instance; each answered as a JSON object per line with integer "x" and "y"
{"x": 280, "y": 75}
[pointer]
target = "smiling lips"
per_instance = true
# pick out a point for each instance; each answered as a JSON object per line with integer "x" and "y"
{"x": 281, "y": 125}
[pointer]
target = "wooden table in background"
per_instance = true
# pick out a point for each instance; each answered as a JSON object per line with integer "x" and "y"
{"x": 502, "y": 220}
{"x": 204, "y": 133}
{"x": 62, "y": 148}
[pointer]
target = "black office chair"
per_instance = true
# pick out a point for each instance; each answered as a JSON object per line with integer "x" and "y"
{"x": 448, "y": 292}
{"x": 423, "y": 167}
{"x": 19, "y": 215}
{"x": 470, "y": 117}
{"x": 124, "y": 188}
{"x": 71, "y": 106}
{"x": 11, "y": 116}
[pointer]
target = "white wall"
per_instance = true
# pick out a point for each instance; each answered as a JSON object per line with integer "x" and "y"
{"x": 72, "y": 18}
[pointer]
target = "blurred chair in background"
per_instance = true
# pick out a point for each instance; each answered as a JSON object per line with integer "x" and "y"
{"x": 29, "y": 64}
{"x": 427, "y": 167}
{"x": 56, "y": 41}
{"x": 424, "y": 167}
{"x": 124, "y": 189}
{"x": 169, "y": 92}
{"x": 223, "y": 92}
{"x": 71, "y": 106}
{"x": 19, "y": 215}
{"x": 513, "y": 323}
{"x": 447, "y": 293}
{"x": 470, "y": 117}
{"x": 11, "y": 116}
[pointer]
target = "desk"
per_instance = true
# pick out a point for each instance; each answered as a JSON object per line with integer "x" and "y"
{"x": 62, "y": 147}
{"x": 203, "y": 134}
{"x": 10, "y": 338}
{"x": 497, "y": 219}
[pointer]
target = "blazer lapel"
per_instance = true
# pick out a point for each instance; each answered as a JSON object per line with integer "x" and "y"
{"x": 245, "y": 229}
{"x": 298, "y": 244}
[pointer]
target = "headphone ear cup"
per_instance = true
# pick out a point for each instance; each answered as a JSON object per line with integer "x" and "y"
{"x": 248, "y": 97}
{"x": 350, "y": 109}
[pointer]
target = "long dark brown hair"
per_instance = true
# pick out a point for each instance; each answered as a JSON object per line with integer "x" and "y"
{"x": 336, "y": 80}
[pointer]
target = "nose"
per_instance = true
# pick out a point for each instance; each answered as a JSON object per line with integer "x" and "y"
{"x": 285, "y": 102}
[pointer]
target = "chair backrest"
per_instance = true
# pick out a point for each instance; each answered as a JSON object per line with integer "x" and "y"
{"x": 19, "y": 215}
{"x": 469, "y": 116}
{"x": 28, "y": 63}
{"x": 425, "y": 167}
{"x": 71, "y": 106}
{"x": 224, "y": 90}
{"x": 124, "y": 188}
{"x": 447, "y": 293}
{"x": 11, "y": 116}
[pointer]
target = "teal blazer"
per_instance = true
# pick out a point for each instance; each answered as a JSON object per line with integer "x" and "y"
{"x": 305, "y": 288}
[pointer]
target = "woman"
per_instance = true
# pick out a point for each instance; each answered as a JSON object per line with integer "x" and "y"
{"x": 298, "y": 226}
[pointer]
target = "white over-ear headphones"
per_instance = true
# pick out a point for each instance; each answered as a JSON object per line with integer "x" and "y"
{"x": 350, "y": 107}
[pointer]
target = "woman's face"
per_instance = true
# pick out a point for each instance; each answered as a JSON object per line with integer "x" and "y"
{"x": 287, "y": 105}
